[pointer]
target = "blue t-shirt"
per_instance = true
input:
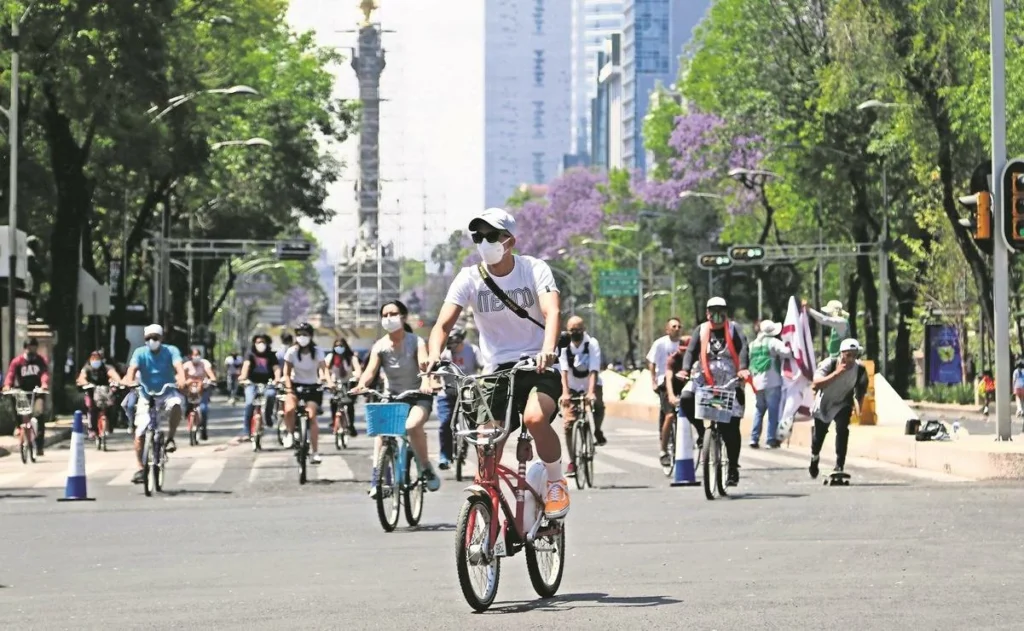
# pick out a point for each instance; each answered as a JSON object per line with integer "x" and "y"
{"x": 156, "y": 369}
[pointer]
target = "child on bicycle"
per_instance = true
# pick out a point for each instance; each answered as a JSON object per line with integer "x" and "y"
{"x": 399, "y": 354}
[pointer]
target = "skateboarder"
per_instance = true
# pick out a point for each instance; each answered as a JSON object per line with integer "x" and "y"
{"x": 840, "y": 384}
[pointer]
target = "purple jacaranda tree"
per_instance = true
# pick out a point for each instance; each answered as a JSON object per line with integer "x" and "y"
{"x": 573, "y": 208}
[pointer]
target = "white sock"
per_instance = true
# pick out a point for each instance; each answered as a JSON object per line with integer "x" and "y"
{"x": 554, "y": 470}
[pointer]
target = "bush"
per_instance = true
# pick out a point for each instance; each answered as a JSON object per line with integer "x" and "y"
{"x": 962, "y": 394}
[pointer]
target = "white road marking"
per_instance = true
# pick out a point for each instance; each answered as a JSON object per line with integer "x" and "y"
{"x": 272, "y": 468}
{"x": 333, "y": 468}
{"x": 649, "y": 461}
{"x": 204, "y": 471}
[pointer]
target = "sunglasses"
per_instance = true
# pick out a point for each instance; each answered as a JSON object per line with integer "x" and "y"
{"x": 491, "y": 237}
{"x": 152, "y": 337}
{"x": 575, "y": 330}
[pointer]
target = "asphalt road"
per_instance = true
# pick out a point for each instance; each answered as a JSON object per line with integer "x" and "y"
{"x": 236, "y": 543}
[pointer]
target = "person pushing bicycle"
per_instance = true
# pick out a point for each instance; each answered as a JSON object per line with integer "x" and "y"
{"x": 156, "y": 365}
{"x": 720, "y": 350}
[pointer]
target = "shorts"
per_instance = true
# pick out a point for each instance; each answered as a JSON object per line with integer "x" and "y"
{"x": 547, "y": 382}
{"x": 666, "y": 408}
{"x": 308, "y": 393}
{"x": 424, "y": 401}
{"x": 168, "y": 401}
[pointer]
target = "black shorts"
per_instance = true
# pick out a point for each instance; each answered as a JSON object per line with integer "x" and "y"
{"x": 547, "y": 382}
{"x": 307, "y": 393}
{"x": 666, "y": 407}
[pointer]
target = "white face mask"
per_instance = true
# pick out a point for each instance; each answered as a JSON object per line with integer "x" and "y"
{"x": 154, "y": 345}
{"x": 96, "y": 364}
{"x": 339, "y": 349}
{"x": 261, "y": 347}
{"x": 303, "y": 340}
{"x": 491, "y": 253}
{"x": 196, "y": 360}
{"x": 391, "y": 324}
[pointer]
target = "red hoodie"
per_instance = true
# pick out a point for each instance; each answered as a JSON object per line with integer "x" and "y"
{"x": 28, "y": 373}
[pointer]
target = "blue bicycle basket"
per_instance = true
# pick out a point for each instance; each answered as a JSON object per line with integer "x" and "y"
{"x": 386, "y": 419}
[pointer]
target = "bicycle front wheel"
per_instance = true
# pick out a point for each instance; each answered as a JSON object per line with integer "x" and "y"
{"x": 388, "y": 497}
{"x": 709, "y": 462}
{"x": 303, "y": 452}
{"x": 478, "y": 568}
{"x": 412, "y": 491}
{"x": 589, "y": 451}
{"x": 147, "y": 465}
{"x": 579, "y": 445}
{"x": 672, "y": 430}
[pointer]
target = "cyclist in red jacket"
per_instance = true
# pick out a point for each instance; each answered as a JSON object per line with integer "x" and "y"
{"x": 27, "y": 372}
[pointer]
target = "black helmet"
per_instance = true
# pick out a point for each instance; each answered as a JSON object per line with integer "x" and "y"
{"x": 305, "y": 327}
{"x": 457, "y": 334}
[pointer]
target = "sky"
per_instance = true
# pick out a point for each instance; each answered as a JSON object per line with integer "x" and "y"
{"x": 431, "y": 122}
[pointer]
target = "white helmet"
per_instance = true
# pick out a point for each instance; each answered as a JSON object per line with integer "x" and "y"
{"x": 153, "y": 329}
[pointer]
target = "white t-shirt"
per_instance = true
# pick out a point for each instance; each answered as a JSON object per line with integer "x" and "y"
{"x": 504, "y": 336}
{"x": 304, "y": 370}
{"x": 589, "y": 361}
{"x": 658, "y": 355}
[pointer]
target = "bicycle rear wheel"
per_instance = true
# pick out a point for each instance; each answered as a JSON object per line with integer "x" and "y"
{"x": 412, "y": 491}
{"x": 478, "y": 568}
{"x": 193, "y": 428}
{"x": 388, "y": 497}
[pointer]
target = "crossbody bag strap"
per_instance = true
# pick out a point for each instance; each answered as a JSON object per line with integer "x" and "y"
{"x": 503, "y": 297}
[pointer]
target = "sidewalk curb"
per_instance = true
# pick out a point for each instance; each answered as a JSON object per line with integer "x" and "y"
{"x": 54, "y": 435}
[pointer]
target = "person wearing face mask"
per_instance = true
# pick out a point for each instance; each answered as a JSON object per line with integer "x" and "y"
{"x": 344, "y": 366}
{"x": 97, "y": 373}
{"x": 260, "y": 366}
{"x": 199, "y": 370}
{"x": 27, "y": 372}
{"x": 467, "y": 358}
{"x": 581, "y": 367}
{"x": 505, "y": 335}
{"x": 720, "y": 352}
{"x": 155, "y": 365}
{"x": 399, "y": 355}
{"x": 657, "y": 359}
{"x": 304, "y": 366}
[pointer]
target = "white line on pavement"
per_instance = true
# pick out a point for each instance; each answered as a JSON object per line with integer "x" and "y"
{"x": 204, "y": 471}
{"x": 629, "y": 431}
{"x": 333, "y": 468}
{"x": 124, "y": 478}
{"x": 630, "y": 456}
{"x": 9, "y": 480}
{"x": 272, "y": 467}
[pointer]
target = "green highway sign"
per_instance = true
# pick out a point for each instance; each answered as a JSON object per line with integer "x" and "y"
{"x": 618, "y": 283}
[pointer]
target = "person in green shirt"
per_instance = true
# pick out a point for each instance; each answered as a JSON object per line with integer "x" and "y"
{"x": 833, "y": 316}
{"x": 766, "y": 353}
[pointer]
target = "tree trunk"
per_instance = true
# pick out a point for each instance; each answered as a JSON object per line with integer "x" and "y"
{"x": 852, "y": 301}
{"x": 74, "y": 207}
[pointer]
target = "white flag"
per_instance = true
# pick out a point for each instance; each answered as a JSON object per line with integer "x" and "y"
{"x": 797, "y": 372}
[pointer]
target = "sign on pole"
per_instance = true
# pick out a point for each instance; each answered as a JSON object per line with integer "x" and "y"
{"x": 618, "y": 283}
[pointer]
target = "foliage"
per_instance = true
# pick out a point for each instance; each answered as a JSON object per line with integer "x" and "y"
{"x": 961, "y": 394}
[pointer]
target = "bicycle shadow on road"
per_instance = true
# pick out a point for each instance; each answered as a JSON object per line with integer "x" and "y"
{"x": 186, "y": 492}
{"x": 566, "y": 602}
{"x": 767, "y": 496}
{"x": 21, "y": 496}
{"x": 623, "y": 487}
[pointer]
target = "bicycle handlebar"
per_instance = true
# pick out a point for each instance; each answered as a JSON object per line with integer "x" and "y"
{"x": 388, "y": 397}
{"x": 498, "y": 434}
{"x": 145, "y": 391}
{"x": 37, "y": 390}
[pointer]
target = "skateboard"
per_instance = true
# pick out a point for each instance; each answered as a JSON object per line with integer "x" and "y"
{"x": 839, "y": 478}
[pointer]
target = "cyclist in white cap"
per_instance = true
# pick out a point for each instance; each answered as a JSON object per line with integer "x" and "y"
{"x": 156, "y": 364}
{"x": 841, "y": 383}
{"x": 528, "y": 284}
{"x": 720, "y": 351}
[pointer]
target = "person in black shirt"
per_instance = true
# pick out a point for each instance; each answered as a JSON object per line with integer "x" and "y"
{"x": 98, "y": 373}
{"x": 260, "y": 366}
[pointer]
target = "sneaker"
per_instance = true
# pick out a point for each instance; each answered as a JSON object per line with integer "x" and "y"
{"x": 556, "y": 501}
{"x": 755, "y": 445}
{"x": 315, "y": 458}
{"x": 733, "y": 478}
{"x": 289, "y": 440}
{"x": 774, "y": 443}
{"x": 171, "y": 447}
{"x": 837, "y": 469}
{"x": 202, "y": 434}
{"x": 433, "y": 482}
{"x": 664, "y": 458}
{"x": 443, "y": 462}
{"x": 813, "y": 469}
{"x": 599, "y": 439}
{"x": 139, "y": 477}
{"x": 352, "y": 430}
{"x": 570, "y": 471}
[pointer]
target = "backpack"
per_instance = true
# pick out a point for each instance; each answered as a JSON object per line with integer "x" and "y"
{"x": 576, "y": 371}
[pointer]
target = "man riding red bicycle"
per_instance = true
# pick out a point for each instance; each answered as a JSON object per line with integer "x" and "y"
{"x": 27, "y": 372}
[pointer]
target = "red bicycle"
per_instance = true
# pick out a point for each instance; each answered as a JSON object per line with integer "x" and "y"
{"x": 195, "y": 417}
{"x": 100, "y": 398}
{"x": 488, "y": 529}
{"x": 256, "y": 422}
{"x": 24, "y": 406}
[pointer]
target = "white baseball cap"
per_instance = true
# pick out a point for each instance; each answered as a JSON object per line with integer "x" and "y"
{"x": 496, "y": 218}
{"x": 153, "y": 329}
{"x": 717, "y": 301}
{"x": 849, "y": 344}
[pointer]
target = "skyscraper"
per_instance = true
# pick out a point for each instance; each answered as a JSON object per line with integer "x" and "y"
{"x": 593, "y": 22}
{"x": 527, "y": 93}
{"x": 653, "y": 36}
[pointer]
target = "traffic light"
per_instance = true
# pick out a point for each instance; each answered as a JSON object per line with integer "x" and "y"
{"x": 714, "y": 260}
{"x": 294, "y": 250}
{"x": 746, "y": 252}
{"x": 980, "y": 205}
{"x": 1013, "y": 206}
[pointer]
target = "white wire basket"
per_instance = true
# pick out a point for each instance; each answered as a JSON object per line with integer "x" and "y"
{"x": 715, "y": 404}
